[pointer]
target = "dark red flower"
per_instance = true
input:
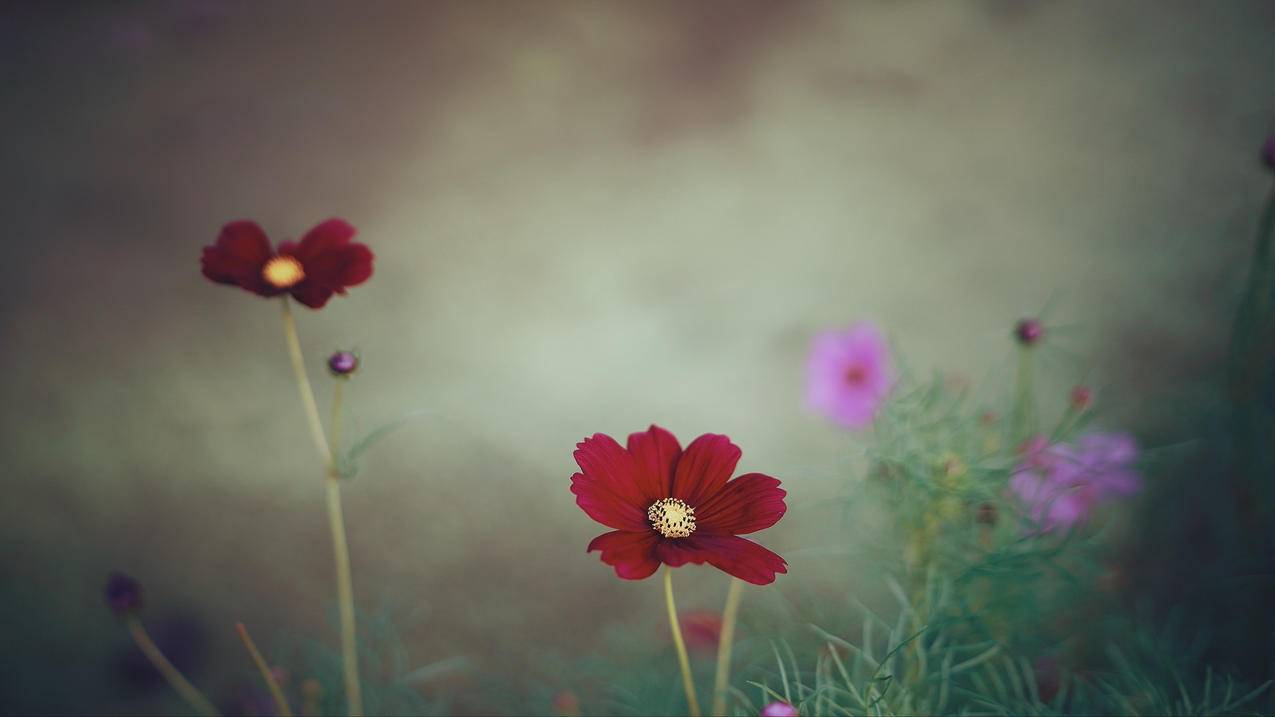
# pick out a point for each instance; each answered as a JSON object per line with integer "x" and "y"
{"x": 676, "y": 507}
{"x": 323, "y": 263}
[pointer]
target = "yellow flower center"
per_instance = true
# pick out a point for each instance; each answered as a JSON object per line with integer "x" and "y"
{"x": 283, "y": 272}
{"x": 672, "y": 517}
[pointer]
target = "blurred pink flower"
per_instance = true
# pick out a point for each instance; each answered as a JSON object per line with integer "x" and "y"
{"x": 849, "y": 374}
{"x": 1061, "y": 483}
{"x": 779, "y": 709}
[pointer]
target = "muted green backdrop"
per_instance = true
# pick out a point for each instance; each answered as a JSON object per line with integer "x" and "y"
{"x": 587, "y": 217}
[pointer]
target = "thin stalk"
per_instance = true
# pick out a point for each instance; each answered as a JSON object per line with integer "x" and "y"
{"x": 340, "y": 549}
{"x": 188, "y": 692}
{"x": 724, "y": 645}
{"x": 303, "y": 381}
{"x": 280, "y": 702}
{"x": 683, "y": 660}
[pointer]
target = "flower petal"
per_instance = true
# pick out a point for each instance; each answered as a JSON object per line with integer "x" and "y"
{"x": 676, "y": 552}
{"x": 241, "y": 250}
{"x": 631, "y": 554}
{"x": 312, "y": 294}
{"x": 323, "y": 238}
{"x": 606, "y": 463}
{"x": 750, "y": 503}
{"x": 655, "y": 454}
{"x": 339, "y": 267}
{"x": 742, "y": 558}
{"x": 606, "y": 507}
{"x": 704, "y": 468}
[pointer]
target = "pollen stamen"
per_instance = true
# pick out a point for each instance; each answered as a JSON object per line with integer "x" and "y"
{"x": 672, "y": 517}
{"x": 283, "y": 272}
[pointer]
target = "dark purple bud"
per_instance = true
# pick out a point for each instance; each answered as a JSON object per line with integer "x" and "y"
{"x": 1028, "y": 332}
{"x": 123, "y": 594}
{"x": 343, "y": 363}
{"x": 1268, "y": 152}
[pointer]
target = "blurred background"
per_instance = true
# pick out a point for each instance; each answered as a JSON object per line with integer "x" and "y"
{"x": 587, "y": 217}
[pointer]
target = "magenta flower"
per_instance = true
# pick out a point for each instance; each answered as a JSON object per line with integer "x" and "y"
{"x": 779, "y": 709}
{"x": 849, "y": 374}
{"x": 1062, "y": 483}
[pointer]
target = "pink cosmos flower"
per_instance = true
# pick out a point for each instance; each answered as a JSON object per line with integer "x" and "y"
{"x": 849, "y": 374}
{"x": 1061, "y": 483}
{"x": 779, "y": 709}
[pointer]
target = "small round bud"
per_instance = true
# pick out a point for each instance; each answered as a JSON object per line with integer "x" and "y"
{"x": 343, "y": 363}
{"x": 123, "y": 594}
{"x": 1268, "y": 152}
{"x": 1028, "y": 331}
{"x": 1081, "y": 397}
{"x": 779, "y": 709}
{"x": 986, "y": 514}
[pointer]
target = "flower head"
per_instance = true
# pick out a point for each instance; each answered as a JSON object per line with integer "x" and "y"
{"x": 779, "y": 709}
{"x": 343, "y": 363}
{"x": 1028, "y": 331}
{"x": 1061, "y": 483}
{"x": 123, "y": 594}
{"x": 1268, "y": 152}
{"x": 323, "y": 263}
{"x": 675, "y": 507}
{"x": 848, "y": 374}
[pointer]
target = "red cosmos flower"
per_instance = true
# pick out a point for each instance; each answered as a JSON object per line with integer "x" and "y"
{"x": 674, "y": 507}
{"x": 323, "y": 263}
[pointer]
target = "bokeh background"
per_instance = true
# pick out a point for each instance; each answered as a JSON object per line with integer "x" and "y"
{"x": 588, "y": 217}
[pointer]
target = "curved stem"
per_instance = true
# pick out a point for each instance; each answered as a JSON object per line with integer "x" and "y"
{"x": 280, "y": 702}
{"x": 188, "y": 692}
{"x": 303, "y": 381}
{"x": 724, "y": 645}
{"x": 340, "y": 549}
{"x": 682, "y": 659}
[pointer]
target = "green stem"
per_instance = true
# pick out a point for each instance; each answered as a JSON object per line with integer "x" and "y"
{"x": 303, "y": 382}
{"x": 336, "y": 522}
{"x": 280, "y": 702}
{"x": 724, "y": 645}
{"x": 683, "y": 660}
{"x": 188, "y": 692}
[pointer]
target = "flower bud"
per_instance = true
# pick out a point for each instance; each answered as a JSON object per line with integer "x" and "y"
{"x": 123, "y": 594}
{"x": 779, "y": 709}
{"x": 343, "y": 363}
{"x": 1028, "y": 331}
{"x": 1268, "y": 152}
